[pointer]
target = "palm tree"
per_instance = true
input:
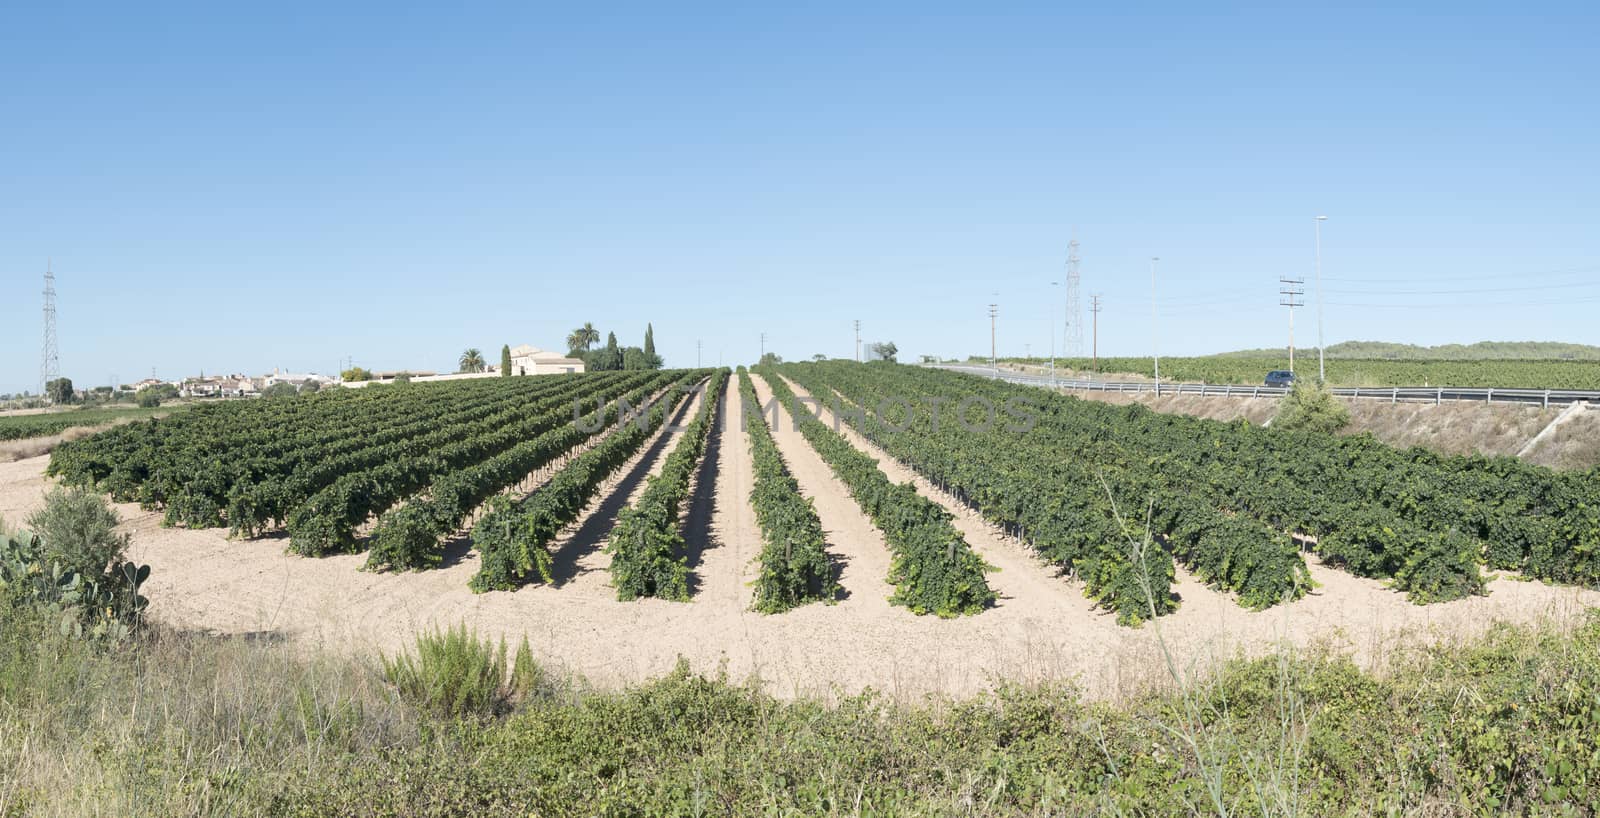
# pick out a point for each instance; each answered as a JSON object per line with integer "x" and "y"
{"x": 471, "y": 361}
{"x": 583, "y": 337}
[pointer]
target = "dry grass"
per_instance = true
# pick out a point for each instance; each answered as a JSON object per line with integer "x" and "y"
{"x": 1573, "y": 445}
{"x": 14, "y": 450}
{"x": 186, "y": 713}
{"x": 1453, "y": 428}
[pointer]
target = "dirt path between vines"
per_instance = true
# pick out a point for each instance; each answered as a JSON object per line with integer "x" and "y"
{"x": 1043, "y": 628}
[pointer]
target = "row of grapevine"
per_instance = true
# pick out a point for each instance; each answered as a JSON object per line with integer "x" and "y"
{"x": 122, "y": 460}
{"x": 1423, "y": 520}
{"x": 326, "y": 522}
{"x": 1091, "y": 526}
{"x": 1508, "y": 374}
{"x": 1235, "y": 553}
{"x": 1221, "y": 510}
{"x": 513, "y": 538}
{"x": 268, "y": 490}
{"x": 647, "y": 545}
{"x": 258, "y": 459}
{"x": 412, "y": 536}
{"x": 795, "y": 568}
{"x": 934, "y": 570}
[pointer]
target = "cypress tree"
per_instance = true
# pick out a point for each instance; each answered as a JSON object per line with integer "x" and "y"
{"x": 505, "y": 360}
{"x": 649, "y": 341}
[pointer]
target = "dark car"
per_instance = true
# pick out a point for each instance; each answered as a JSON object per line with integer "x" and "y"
{"x": 1280, "y": 377}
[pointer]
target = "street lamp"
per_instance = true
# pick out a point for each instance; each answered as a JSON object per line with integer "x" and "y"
{"x": 1322, "y": 371}
{"x": 1155, "y": 336}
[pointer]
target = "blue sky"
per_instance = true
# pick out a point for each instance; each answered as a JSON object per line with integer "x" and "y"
{"x": 243, "y": 186}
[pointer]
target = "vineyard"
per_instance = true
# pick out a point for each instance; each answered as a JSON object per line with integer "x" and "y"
{"x": 1542, "y": 374}
{"x": 1117, "y": 498}
{"x": 397, "y": 471}
{"x": 1084, "y": 483}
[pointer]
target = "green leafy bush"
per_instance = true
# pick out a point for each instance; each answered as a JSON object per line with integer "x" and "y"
{"x": 280, "y": 390}
{"x": 72, "y": 563}
{"x": 1311, "y": 407}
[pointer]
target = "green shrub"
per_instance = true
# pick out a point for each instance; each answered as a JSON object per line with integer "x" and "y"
{"x": 280, "y": 390}
{"x": 72, "y": 565}
{"x": 456, "y": 674}
{"x": 1311, "y": 407}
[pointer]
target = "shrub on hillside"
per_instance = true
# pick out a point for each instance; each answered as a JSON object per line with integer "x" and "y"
{"x": 1311, "y": 407}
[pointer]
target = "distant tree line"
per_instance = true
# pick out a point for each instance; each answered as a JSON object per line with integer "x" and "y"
{"x": 580, "y": 345}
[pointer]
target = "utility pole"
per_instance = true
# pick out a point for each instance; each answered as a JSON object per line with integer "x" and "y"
{"x": 1289, "y": 292}
{"x": 763, "y": 345}
{"x": 1053, "y": 342}
{"x": 50, "y": 359}
{"x": 1094, "y": 308}
{"x": 1072, "y": 343}
{"x": 1155, "y": 328}
{"x": 994, "y": 360}
{"x": 858, "y": 340}
{"x": 1322, "y": 369}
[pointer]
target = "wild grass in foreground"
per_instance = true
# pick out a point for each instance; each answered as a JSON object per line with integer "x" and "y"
{"x": 172, "y": 724}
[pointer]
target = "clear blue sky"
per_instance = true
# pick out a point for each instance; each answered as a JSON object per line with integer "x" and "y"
{"x": 231, "y": 186}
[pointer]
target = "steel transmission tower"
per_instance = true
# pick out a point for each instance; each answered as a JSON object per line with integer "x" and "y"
{"x": 50, "y": 365}
{"x": 1072, "y": 346}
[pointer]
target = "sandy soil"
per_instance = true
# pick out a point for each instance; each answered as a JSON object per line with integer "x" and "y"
{"x": 1042, "y": 628}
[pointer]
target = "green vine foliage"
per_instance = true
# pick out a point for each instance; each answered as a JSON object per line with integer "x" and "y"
{"x": 647, "y": 545}
{"x": 513, "y": 538}
{"x": 933, "y": 568}
{"x": 795, "y": 568}
{"x": 413, "y": 535}
{"x": 1230, "y": 500}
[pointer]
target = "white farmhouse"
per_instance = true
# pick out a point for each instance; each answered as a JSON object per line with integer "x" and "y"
{"x": 531, "y": 360}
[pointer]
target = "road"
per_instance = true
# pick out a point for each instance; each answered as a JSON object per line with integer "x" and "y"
{"x": 1408, "y": 394}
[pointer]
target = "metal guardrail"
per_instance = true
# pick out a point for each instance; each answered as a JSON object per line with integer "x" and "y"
{"x": 1393, "y": 394}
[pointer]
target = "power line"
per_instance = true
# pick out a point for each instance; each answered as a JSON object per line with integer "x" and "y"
{"x": 1564, "y": 273}
{"x": 1579, "y": 285}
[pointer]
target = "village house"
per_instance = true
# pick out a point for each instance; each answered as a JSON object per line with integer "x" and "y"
{"x": 531, "y": 360}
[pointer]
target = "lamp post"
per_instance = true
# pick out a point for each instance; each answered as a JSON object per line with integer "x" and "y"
{"x": 1322, "y": 371}
{"x": 1155, "y": 336}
